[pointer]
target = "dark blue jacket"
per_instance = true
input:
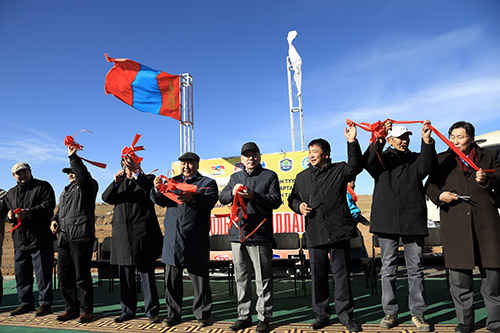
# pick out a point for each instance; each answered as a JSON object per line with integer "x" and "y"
{"x": 187, "y": 225}
{"x": 267, "y": 196}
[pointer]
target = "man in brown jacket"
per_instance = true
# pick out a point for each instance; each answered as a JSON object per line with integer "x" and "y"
{"x": 470, "y": 224}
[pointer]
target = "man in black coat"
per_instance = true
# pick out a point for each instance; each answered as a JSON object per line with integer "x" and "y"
{"x": 186, "y": 243}
{"x": 29, "y": 206}
{"x": 251, "y": 241}
{"x": 399, "y": 210}
{"x": 319, "y": 193}
{"x": 136, "y": 238}
{"x": 74, "y": 223}
{"x": 2, "y": 235}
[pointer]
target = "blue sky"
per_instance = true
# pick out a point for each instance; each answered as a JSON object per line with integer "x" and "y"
{"x": 364, "y": 60}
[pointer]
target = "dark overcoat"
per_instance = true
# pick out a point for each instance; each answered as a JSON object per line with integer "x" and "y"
{"x": 136, "y": 233}
{"x": 187, "y": 225}
{"x": 37, "y": 196}
{"x": 324, "y": 190}
{"x": 399, "y": 205}
{"x": 461, "y": 220}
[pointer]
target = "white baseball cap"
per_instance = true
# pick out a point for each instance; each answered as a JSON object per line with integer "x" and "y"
{"x": 397, "y": 131}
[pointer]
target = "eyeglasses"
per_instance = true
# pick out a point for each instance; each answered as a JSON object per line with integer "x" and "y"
{"x": 459, "y": 137}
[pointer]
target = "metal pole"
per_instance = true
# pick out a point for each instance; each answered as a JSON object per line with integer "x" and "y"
{"x": 290, "y": 101}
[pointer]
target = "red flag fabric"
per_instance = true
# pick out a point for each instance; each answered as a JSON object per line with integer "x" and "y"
{"x": 144, "y": 88}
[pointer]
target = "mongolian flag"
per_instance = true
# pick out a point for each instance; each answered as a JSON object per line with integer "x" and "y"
{"x": 143, "y": 88}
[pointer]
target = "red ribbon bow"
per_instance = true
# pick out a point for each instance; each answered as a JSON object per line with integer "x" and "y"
{"x": 19, "y": 221}
{"x": 69, "y": 141}
{"x": 130, "y": 151}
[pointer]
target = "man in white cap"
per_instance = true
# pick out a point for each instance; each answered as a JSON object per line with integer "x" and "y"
{"x": 399, "y": 211}
{"x": 29, "y": 206}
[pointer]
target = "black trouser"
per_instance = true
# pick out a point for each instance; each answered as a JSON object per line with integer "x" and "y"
{"x": 128, "y": 290}
{"x": 202, "y": 298}
{"x": 74, "y": 263}
{"x": 41, "y": 260}
{"x": 340, "y": 259}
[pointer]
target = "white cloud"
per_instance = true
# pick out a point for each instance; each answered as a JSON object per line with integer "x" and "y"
{"x": 33, "y": 146}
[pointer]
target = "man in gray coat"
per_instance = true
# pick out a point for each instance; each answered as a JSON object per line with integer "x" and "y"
{"x": 251, "y": 241}
{"x": 186, "y": 243}
{"x": 399, "y": 211}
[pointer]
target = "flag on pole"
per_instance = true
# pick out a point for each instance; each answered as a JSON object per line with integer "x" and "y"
{"x": 143, "y": 88}
{"x": 296, "y": 61}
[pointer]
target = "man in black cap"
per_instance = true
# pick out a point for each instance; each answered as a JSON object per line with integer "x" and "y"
{"x": 29, "y": 206}
{"x": 186, "y": 243}
{"x": 251, "y": 242}
{"x": 74, "y": 223}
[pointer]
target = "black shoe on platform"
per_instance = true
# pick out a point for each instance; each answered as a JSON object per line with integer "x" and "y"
{"x": 319, "y": 323}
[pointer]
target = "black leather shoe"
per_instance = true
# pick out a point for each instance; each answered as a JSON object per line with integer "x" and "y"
{"x": 241, "y": 324}
{"x": 351, "y": 326}
{"x": 262, "y": 326}
{"x": 85, "y": 318}
{"x": 43, "y": 310}
{"x": 124, "y": 317}
{"x": 463, "y": 328}
{"x": 24, "y": 308}
{"x": 68, "y": 315}
{"x": 494, "y": 330}
{"x": 154, "y": 319}
{"x": 203, "y": 322}
{"x": 171, "y": 321}
{"x": 319, "y": 323}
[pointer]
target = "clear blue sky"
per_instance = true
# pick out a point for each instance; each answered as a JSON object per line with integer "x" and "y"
{"x": 366, "y": 60}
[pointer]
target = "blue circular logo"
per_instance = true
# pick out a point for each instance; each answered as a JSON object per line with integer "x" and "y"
{"x": 286, "y": 164}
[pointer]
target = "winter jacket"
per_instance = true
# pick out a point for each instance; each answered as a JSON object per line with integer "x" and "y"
{"x": 37, "y": 196}
{"x": 324, "y": 190}
{"x": 76, "y": 210}
{"x": 187, "y": 225}
{"x": 267, "y": 196}
{"x": 467, "y": 227}
{"x": 398, "y": 205}
{"x": 136, "y": 233}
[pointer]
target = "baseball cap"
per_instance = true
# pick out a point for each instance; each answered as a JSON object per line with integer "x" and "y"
{"x": 67, "y": 170}
{"x": 397, "y": 131}
{"x": 252, "y": 146}
{"x": 189, "y": 156}
{"x": 20, "y": 166}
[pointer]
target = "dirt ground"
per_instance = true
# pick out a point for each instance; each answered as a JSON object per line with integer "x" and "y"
{"x": 104, "y": 213}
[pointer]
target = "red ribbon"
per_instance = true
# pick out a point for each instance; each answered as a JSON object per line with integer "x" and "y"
{"x": 19, "y": 221}
{"x": 69, "y": 141}
{"x": 130, "y": 151}
{"x": 171, "y": 185}
{"x": 239, "y": 204}
{"x": 377, "y": 133}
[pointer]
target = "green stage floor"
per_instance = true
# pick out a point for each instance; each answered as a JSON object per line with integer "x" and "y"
{"x": 290, "y": 309}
